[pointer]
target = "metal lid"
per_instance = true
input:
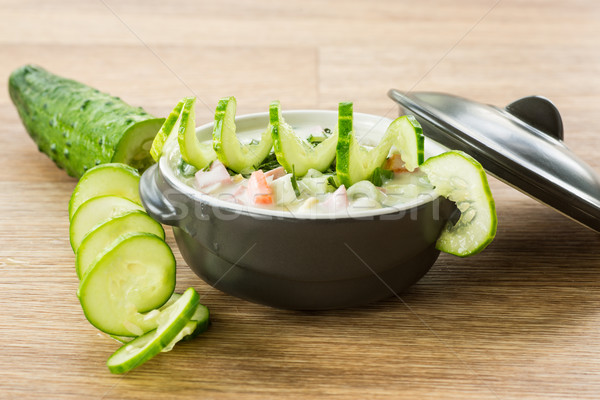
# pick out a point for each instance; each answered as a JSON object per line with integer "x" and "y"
{"x": 520, "y": 144}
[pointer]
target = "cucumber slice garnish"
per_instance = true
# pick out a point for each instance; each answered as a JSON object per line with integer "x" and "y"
{"x": 106, "y": 179}
{"x": 101, "y": 237}
{"x": 171, "y": 322}
{"x": 96, "y": 211}
{"x": 171, "y": 124}
{"x": 294, "y": 153}
{"x": 407, "y": 137}
{"x": 241, "y": 158}
{"x": 355, "y": 163}
{"x": 460, "y": 178}
{"x": 196, "y": 153}
{"x": 136, "y": 275}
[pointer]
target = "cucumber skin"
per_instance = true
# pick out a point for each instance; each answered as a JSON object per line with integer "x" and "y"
{"x": 345, "y": 131}
{"x": 77, "y": 126}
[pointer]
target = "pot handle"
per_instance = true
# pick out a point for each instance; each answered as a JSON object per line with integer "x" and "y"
{"x": 155, "y": 202}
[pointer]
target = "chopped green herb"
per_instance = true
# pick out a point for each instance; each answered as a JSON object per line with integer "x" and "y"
{"x": 379, "y": 175}
{"x": 233, "y": 173}
{"x": 269, "y": 163}
{"x": 315, "y": 140}
{"x": 254, "y": 142}
{"x": 188, "y": 170}
{"x": 331, "y": 168}
{"x": 333, "y": 182}
{"x": 295, "y": 182}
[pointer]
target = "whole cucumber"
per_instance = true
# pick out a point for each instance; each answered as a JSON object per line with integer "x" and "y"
{"x": 79, "y": 127}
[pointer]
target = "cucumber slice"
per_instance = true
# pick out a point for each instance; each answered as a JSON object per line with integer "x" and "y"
{"x": 136, "y": 275}
{"x": 172, "y": 321}
{"x": 199, "y": 154}
{"x": 199, "y": 322}
{"x": 460, "y": 178}
{"x": 409, "y": 140}
{"x": 201, "y": 318}
{"x": 101, "y": 237}
{"x": 134, "y": 147}
{"x": 355, "y": 163}
{"x": 96, "y": 211}
{"x": 126, "y": 339}
{"x": 241, "y": 158}
{"x": 171, "y": 124}
{"x": 106, "y": 179}
{"x": 294, "y": 153}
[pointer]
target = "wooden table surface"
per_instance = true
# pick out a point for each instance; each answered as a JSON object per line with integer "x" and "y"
{"x": 519, "y": 321}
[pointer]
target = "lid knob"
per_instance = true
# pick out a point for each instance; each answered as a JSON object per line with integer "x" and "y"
{"x": 540, "y": 113}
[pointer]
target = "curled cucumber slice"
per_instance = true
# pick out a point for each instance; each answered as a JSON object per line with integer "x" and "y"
{"x": 460, "y": 178}
{"x": 170, "y": 125}
{"x": 172, "y": 326}
{"x": 295, "y": 154}
{"x": 355, "y": 163}
{"x": 196, "y": 153}
{"x": 408, "y": 139}
{"x": 239, "y": 157}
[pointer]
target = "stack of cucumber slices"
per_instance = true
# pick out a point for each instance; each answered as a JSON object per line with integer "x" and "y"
{"x": 127, "y": 270}
{"x": 455, "y": 175}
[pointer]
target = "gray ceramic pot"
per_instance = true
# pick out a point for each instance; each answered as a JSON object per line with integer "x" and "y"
{"x": 306, "y": 263}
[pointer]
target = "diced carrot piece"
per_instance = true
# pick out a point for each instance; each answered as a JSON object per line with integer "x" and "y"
{"x": 259, "y": 190}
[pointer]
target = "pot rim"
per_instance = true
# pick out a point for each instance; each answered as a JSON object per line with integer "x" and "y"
{"x": 431, "y": 148}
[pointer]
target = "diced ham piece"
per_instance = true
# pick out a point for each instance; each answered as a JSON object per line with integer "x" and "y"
{"x": 276, "y": 173}
{"x": 217, "y": 174}
{"x": 259, "y": 191}
{"x": 337, "y": 201}
{"x": 395, "y": 163}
